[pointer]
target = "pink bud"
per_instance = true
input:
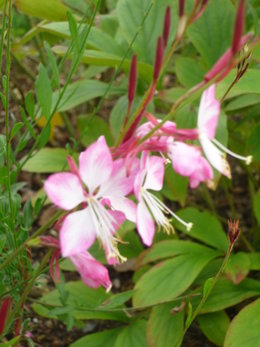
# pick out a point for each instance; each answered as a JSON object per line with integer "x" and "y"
{"x": 4, "y": 312}
{"x": 201, "y": 10}
{"x": 158, "y": 59}
{"x": 239, "y": 26}
{"x": 132, "y": 79}
{"x": 181, "y": 7}
{"x": 167, "y": 25}
{"x": 72, "y": 165}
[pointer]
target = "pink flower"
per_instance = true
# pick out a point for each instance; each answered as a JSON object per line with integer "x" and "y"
{"x": 208, "y": 116}
{"x": 188, "y": 161}
{"x": 150, "y": 209}
{"x": 99, "y": 182}
{"x": 92, "y": 273}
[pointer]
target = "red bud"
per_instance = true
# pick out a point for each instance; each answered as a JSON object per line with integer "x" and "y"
{"x": 158, "y": 59}
{"x": 4, "y": 312}
{"x": 239, "y": 26}
{"x": 167, "y": 25}
{"x": 233, "y": 231}
{"x": 181, "y": 7}
{"x": 132, "y": 79}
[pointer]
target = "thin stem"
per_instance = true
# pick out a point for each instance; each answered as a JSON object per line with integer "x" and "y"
{"x": 27, "y": 290}
{"x": 34, "y": 235}
{"x": 206, "y": 295}
{"x": 3, "y": 32}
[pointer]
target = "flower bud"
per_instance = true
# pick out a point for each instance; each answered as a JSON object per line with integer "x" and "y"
{"x": 167, "y": 25}
{"x": 4, "y": 312}
{"x": 233, "y": 231}
{"x": 132, "y": 79}
{"x": 158, "y": 59}
{"x": 181, "y": 8}
{"x": 239, "y": 26}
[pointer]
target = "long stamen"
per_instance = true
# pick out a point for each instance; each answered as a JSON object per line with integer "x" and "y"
{"x": 247, "y": 159}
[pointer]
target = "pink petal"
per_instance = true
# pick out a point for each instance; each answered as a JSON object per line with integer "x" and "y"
{"x": 64, "y": 190}
{"x": 92, "y": 273}
{"x": 145, "y": 224}
{"x": 128, "y": 207}
{"x": 208, "y": 112}
{"x": 203, "y": 173}
{"x": 77, "y": 233}
{"x": 154, "y": 173}
{"x": 185, "y": 158}
{"x": 95, "y": 164}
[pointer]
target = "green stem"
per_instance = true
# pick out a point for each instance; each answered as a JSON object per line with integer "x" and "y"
{"x": 3, "y": 32}
{"x": 34, "y": 235}
{"x": 27, "y": 290}
{"x": 205, "y": 296}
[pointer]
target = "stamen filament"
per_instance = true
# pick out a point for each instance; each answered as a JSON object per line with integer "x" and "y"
{"x": 248, "y": 159}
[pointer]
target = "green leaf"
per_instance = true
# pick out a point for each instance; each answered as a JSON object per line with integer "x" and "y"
{"x": 175, "y": 186}
{"x": 48, "y": 9}
{"x": 97, "y": 39}
{"x": 15, "y": 129}
{"x": 130, "y": 16}
{"x": 82, "y": 91}
{"x": 117, "y": 300}
{"x": 253, "y": 143}
{"x": 170, "y": 278}
{"x": 244, "y": 328}
{"x": 238, "y": 267}
{"x": 207, "y": 286}
{"x": 254, "y": 261}
{"x": 105, "y": 338}
{"x": 209, "y": 37}
{"x": 242, "y": 102}
{"x": 257, "y": 206}
{"x": 2, "y": 241}
{"x": 133, "y": 335}
{"x": 226, "y": 294}
{"x": 10, "y": 343}
{"x": 98, "y": 58}
{"x": 44, "y": 91}
{"x": 29, "y": 104}
{"x": 53, "y": 64}
{"x": 91, "y": 128}
{"x": 188, "y": 71}
{"x": 173, "y": 248}
{"x": 164, "y": 328}
{"x": 73, "y": 30}
{"x": 47, "y": 160}
{"x": 214, "y": 326}
{"x": 84, "y": 303}
{"x": 205, "y": 228}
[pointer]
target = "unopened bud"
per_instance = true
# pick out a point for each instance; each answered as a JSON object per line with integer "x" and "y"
{"x": 181, "y": 7}
{"x": 201, "y": 10}
{"x": 72, "y": 165}
{"x": 233, "y": 231}
{"x": 158, "y": 59}
{"x": 4, "y": 312}
{"x": 239, "y": 26}
{"x": 132, "y": 79}
{"x": 167, "y": 25}
{"x": 181, "y": 27}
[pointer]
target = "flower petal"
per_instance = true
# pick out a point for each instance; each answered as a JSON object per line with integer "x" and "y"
{"x": 208, "y": 112}
{"x": 95, "y": 164}
{"x": 154, "y": 173}
{"x": 92, "y": 273}
{"x": 185, "y": 158}
{"x": 215, "y": 156}
{"x": 127, "y": 206}
{"x": 64, "y": 190}
{"x": 145, "y": 224}
{"x": 203, "y": 173}
{"x": 77, "y": 233}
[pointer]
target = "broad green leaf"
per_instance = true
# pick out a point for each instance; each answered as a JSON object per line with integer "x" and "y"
{"x": 99, "y": 58}
{"x": 248, "y": 84}
{"x": 164, "y": 328}
{"x": 209, "y": 37}
{"x": 170, "y": 278}
{"x": 242, "y": 102}
{"x": 226, "y": 294}
{"x": 254, "y": 261}
{"x": 244, "y": 329}
{"x": 238, "y": 267}
{"x": 84, "y": 303}
{"x": 205, "y": 228}
{"x": 91, "y": 128}
{"x": 214, "y": 326}
{"x": 48, "y": 9}
{"x": 117, "y": 300}
{"x": 44, "y": 91}
{"x": 97, "y": 39}
{"x": 133, "y": 335}
{"x": 82, "y": 91}
{"x": 189, "y": 72}
{"x": 173, "y": 248}
{"x": 253, "y": 143}
{"x": 47, "y": 160}
{"x": 130, "y": 16}
{"x": 175, "y": 186}
{"x": 105, "y": 338}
